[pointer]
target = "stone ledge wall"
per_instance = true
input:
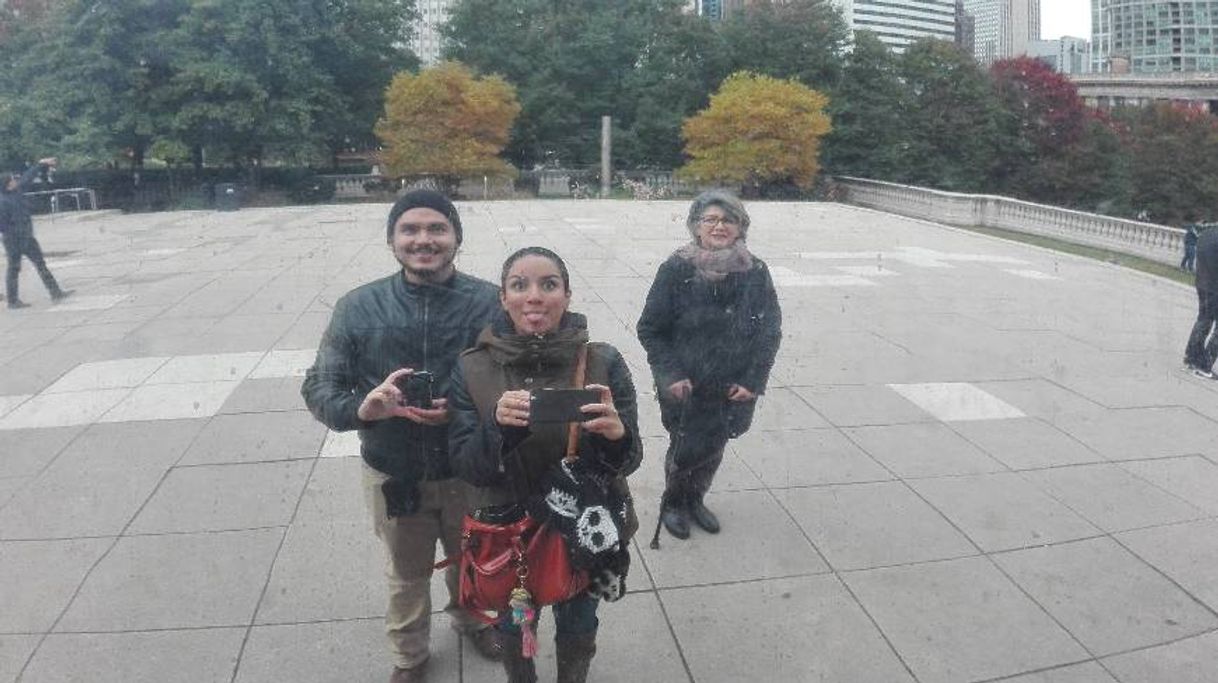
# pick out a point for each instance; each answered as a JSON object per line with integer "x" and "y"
{"x": 1155, "y": 242}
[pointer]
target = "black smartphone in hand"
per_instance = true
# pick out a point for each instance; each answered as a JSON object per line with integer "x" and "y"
{"x": 416, "y": 389}
{"x": 561, "y": 405}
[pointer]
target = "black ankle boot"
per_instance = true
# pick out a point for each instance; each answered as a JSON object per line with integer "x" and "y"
{"x": 520, "y": 669}
{"x": 575, "y": 655}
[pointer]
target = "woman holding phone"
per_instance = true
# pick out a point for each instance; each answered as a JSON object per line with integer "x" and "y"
{"x": 536, "y": 344}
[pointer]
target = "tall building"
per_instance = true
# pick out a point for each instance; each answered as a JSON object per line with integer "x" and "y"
{"x": 425, "y": 42}
{"x": 1148, "y": 36}
{"x": 716, "y": 9}
{"x": 1004, "y": 28}
{"x": 966, "y": 29}
{"x": 1066, "y": 55}
{"x": 898, "y": 23}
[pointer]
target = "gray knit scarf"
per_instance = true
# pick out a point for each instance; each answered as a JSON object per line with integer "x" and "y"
{"x": 713, "y": 265}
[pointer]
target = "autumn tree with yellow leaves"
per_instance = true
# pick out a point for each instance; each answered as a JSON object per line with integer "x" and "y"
{"x": 757, "y": 131}
{"x": 447, "y": 122}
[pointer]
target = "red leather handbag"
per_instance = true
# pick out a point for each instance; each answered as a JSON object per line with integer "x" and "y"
{"x": 497, "y": 558}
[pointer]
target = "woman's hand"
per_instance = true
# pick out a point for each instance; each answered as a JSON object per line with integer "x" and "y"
{"x": 385, "y": 401}
{"x": 681, "y": 390}
{"x": 604, "y": 419}
{"x": 739, "y": 394}
{"x": 512, "y": 409}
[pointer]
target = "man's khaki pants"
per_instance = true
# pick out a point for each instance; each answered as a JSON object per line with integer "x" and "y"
{"x": 410, "y": 545}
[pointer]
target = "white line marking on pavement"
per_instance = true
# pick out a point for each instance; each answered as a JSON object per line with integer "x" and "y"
{"x": 957, "y": 401}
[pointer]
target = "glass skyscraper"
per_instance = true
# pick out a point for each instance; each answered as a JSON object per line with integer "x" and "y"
{"x": 898, "y": 23}
{"x": 1148, "y": 36}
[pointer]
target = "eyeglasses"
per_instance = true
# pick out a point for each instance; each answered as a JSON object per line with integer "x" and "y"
{"x": 712, "y": 221}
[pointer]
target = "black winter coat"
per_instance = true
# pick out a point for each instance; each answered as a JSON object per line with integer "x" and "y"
{"x": 381, "y": 327}
{"x": 15, "y": 220}
{"x": 712, "y": 333}
{"x": 1207, "y": 261}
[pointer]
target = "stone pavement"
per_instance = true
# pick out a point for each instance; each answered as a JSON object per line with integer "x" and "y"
{"x": 978, "y": 460}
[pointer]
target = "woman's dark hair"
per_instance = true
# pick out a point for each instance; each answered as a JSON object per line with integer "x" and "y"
{"x": 536, "y": 251}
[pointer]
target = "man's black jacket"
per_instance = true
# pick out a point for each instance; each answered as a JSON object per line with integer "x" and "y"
{"x": 14, "y": 213}
{"x": 1207, "y": 261}
{"x": 381, "y": 327}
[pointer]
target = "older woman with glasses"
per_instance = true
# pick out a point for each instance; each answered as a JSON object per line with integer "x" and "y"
{"x": 711, "y": 327}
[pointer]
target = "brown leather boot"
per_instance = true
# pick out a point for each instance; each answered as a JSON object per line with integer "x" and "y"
{"x": 575, "y": 655}
{"x": 519, "y": 668}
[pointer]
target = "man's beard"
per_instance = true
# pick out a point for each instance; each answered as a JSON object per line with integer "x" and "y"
{"x": 430, "y": 274}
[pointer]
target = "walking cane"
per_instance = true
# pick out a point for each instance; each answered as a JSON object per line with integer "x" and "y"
{"x": 655, "y": 538}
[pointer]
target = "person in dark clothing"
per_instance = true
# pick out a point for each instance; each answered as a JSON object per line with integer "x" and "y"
{"x": 711, "y": 327}
{"x": 18, "y": 235}
{"x": 381, "y": 336}
{"x": 535, "y": 343}
{"x": 1199, "y": 354}
{"x": 1190, "y": 246}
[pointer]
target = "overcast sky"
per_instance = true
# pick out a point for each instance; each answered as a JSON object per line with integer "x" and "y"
{"x": 1065, "y": 18}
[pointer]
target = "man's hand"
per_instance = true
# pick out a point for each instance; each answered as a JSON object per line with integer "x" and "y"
{"x": 681, "y": 390}
{"x": 386, "y": 401}
{"x": 606, "y": 420}
{"x": 739, "y": 394}
{"x": 49, "y": 161}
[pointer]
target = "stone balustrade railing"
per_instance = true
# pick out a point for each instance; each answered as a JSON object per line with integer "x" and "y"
{"x": 1155, "y": 242}
{"x": 350, "y": 186}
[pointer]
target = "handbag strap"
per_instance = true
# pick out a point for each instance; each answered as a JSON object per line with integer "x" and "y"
{"x": 581, "y": 369}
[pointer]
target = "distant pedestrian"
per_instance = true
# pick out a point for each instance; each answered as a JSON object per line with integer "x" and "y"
{"x": 18, "y": 234}
{"x": 1187, "y": 264}
{"x": 1202, "y": 346}
{"x": 711, "y": 327}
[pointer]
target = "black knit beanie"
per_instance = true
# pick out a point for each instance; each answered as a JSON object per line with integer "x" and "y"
{"x": 425, "y": 199}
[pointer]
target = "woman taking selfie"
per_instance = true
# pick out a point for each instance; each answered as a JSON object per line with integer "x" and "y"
{"x": 534, "y": 345}
{"x": 711, "y": 327}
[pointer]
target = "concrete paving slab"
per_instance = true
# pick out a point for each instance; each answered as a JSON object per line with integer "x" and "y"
{"x": 1193, "y": 660}
{"x": 704, "y": 559}
{"x": 1026, "y": 443}
{"x": 956, "y": 401}
{"x": 812, "y": 457}
{"x": 349, "y": 650}
{"x": 1002, "y": 511}
{"x": 194, "y": 656}
{"x": 938, "y": 451}
{"x": 256, "y": 437}
{"x": 224, "y": 498}
{"x": 28, "y": 451}
{"x": 265, "y": 396}
{"x": 99, "y": 481}
{"x": 14, "y": 651}
{"x": 141, "y": 583}
{"x": 9, "y": 487}
{"x": 1111, "y": 498}
{"x": 170, "y": 402}
{"x": 961, "y": 620}
{"x": 284, "y": 363}
{"x": 341, "y": 445}
{"x": 1127, "y": 606}
{"x": 852, "y": 406}
{"x": 821, "y": 634}
{"x": 217, "y": 367}
{"x": 873, "y": 525}
{"x": 1138, "y": 433}
{"x": 1042, "y": 398}
{"x": 63, "y": 410}
{"x": 112, "y": 374}
{"x": 1185, "y": 553}
{"x": 781, "y": 409}
{"x": 8, "y": 403}
{"x": 1088, "y": 672}
{"x": 334, "y": 493}
{"x": 39, "y": 578}
{"x": 1193, "y": 479}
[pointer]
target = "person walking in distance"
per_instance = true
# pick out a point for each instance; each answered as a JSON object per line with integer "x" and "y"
{"x": 383, "y": 368}
{"x": 18, "y": 235}
{"x": 1199, "y": 354}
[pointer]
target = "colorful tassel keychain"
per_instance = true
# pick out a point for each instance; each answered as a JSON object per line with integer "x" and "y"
{"x": 523, "y": 615}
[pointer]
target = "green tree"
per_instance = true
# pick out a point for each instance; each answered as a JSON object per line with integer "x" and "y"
{"x": 868, "y": 107}
{"x": 799, "y": 39}
{"x": 444, "y": 121}
{"x": 952, "y": 118}
{"x": 1174, "y": 161}
{"x": 758, "y": 132}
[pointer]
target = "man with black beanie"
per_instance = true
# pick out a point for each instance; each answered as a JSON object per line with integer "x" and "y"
{"x": 1199, "y": 355}
{"x": 383, "y": 368}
